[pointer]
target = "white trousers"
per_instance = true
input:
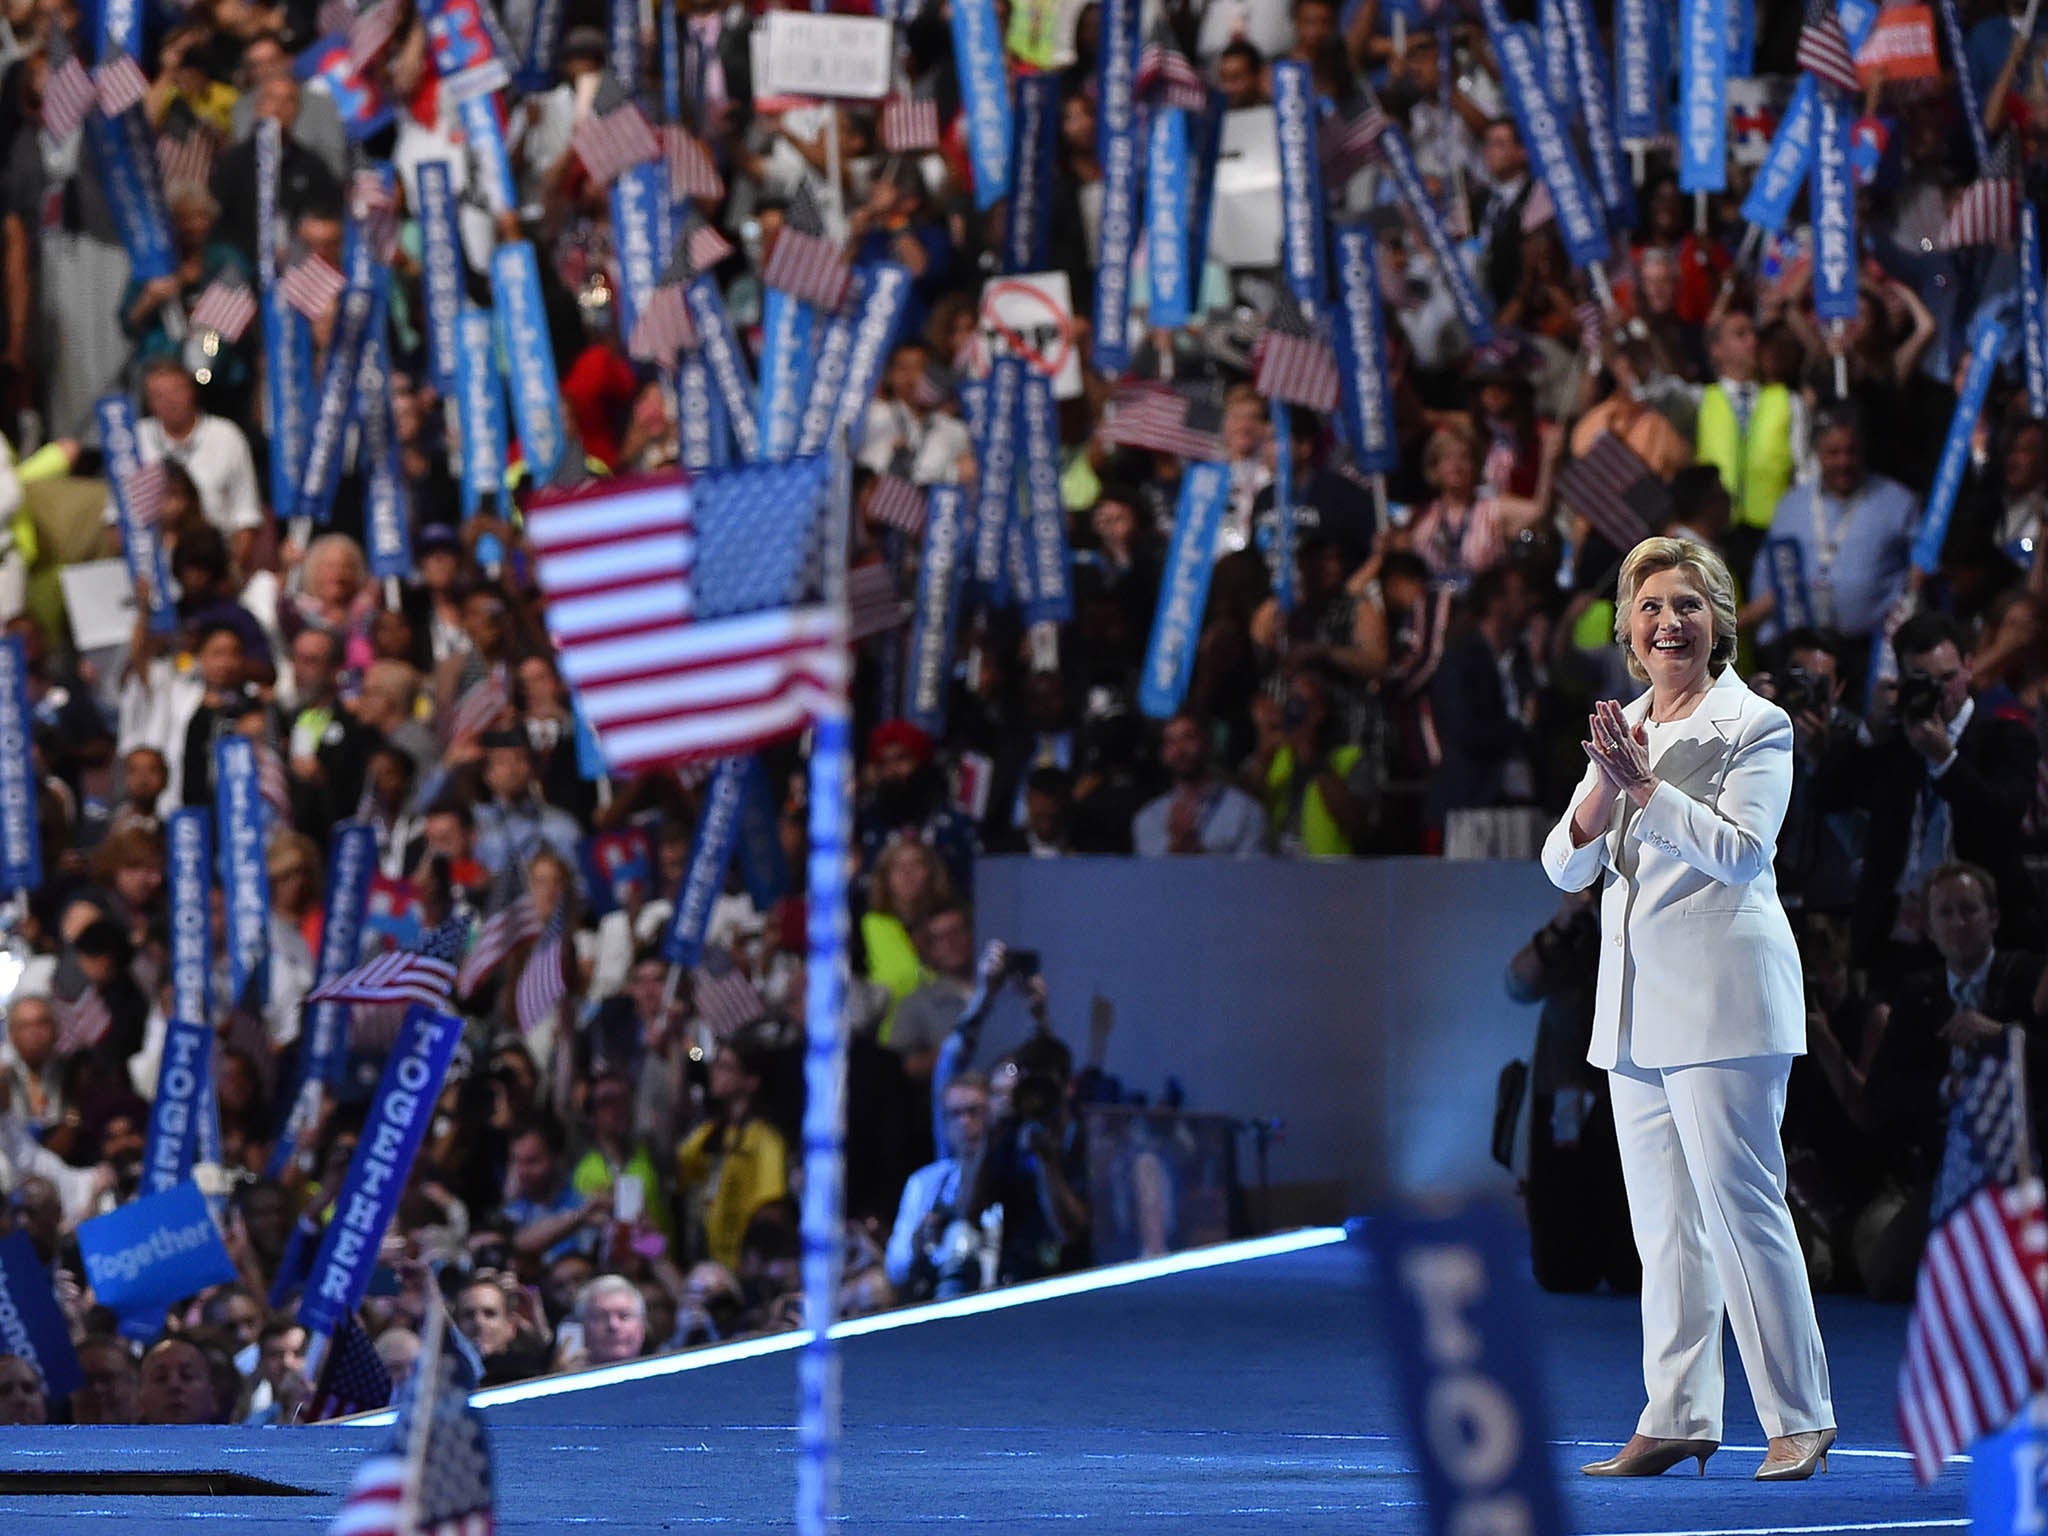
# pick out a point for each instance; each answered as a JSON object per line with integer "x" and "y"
{"x": 1705, "y": 1170}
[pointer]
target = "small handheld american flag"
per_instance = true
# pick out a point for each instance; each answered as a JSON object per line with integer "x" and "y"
{"x": 119, "y": 84}
{"x": 1823, "y": 50}
{"x": 399, "y": 977}
{"x": 370, "y": 33}
{"x": 726, "y": 999}
{"x": 544, "y": 981}
{"x": 81, "y": 1021}
{"x": 874, "y": 603}
{"x": 896, "y": 503}
{"x": 910, "y": 124}
{"x": 1347, "y": 144}
{"x": 312, "y": 285}
{"x": 1986, "y": 211}
{"x": 804, "y": 264}
{"x": 226, "y": 308}
{"x": 691, "y": 171}
{"x": 1294, "y": 363}
{"x": 1611, "y": 487}
{"x": 1165, "y": 75}
{"x": 502, "y": 931}
{"x": 663, "y": 327}
{"x": 143, "y": 489}
{"x": 352, "y": 1377}
{"x": 614, "y": 137}
{"x": 1160, "y": 419}
{"x": 1977, "y": 1341}
{"x": 67, "y": 97}
{"x": 185, "y": 157}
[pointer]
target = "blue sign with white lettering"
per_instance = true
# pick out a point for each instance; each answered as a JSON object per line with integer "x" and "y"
{"x": 1452, "y": 1295}
{"x": 32, "y": 1325}
{"x": 153, "y": 1251}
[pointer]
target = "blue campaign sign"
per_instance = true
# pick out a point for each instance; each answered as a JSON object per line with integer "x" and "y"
{"x": 1453, "y": 1296}
{"x": 153, "y": 1251}
{"x": 2009, "y": 1476}
{"x": 32, "y": 1326}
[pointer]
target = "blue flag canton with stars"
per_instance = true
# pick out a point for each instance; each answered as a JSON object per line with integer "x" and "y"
{"x": 757, "y": 533}
{"x": 1983, "y": 1146}
{"x": 448, "y": 940}
{"x": 454, "y": 1493}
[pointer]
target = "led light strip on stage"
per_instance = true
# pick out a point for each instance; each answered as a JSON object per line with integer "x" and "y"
{"x": 1109, "y": 1277}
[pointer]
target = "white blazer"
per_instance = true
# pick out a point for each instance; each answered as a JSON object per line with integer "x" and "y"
{"x": 1695, "y": 949}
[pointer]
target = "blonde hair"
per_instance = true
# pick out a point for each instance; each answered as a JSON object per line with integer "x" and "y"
{"x": 938, "y": 886}
{"x": 1447, "y": 439}
{"x": 1704, "y": 568}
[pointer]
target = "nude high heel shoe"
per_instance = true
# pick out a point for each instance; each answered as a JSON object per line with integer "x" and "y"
{"x": 1660, "y": 1457}
{"x": 1809, "y": 1453}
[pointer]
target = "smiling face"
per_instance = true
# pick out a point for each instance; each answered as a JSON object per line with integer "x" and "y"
{"x": 1671, "y": 631}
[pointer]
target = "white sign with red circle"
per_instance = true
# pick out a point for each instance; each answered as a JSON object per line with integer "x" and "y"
{"x": 1032, "y": 316}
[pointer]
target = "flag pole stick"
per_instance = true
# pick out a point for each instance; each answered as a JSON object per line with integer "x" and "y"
{"x": 822, "y": 1220}
{"x": 1699, "y": 212}
{"x": 1835, "y": 332}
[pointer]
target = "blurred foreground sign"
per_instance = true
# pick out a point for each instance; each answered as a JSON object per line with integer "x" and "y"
{"x": 1452, "y": 1293}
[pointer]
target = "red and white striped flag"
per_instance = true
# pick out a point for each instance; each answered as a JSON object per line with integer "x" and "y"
{"x": 874, "y": 603}
{"x": 703, "y": 246}
{"x": 375, "y": 207}
{"x": 676, "y": 605}
{"x": 897, "y": 503}
{"x": 1166, "y": 76}
{"x": 271, "y": 783}
{"x": 335, "y": 17}
{"x": 615, "y": 136}
{"x": 119, "y": 84}
{"x": 1611, "y": 487}
{"x": 910, "y": 124}
{"x": 1986, "y": 211}
{"x": 398, "y": 977}
{"x": 143, "y": 489}
{"x": 502, "y": 932}
{"x": 1347, "y": 144}
{"x": 543, "y": 983}
{"x": 312, "y": 285}
{"x": 81, "y": 1021}
{"x": 185, "y": 157}
{"x": 1160, "y": 419}
{"x": 663, "y": 327}
{"x": 1977, "y": 1341}
{"x": 691, "y": 171}
{"x": 1294, "y": 364}
{"x": 804, "y": 263}
{"x": 1592, "y": 330}
{"x": 1824, "y": 51}
{"x": 726, "y": 1000}
{"x": 477, "y": 708}
{"x": 227, "y": 308}
{"x": 67, "y": 96}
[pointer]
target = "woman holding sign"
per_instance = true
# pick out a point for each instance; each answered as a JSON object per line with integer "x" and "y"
{"x": 1700, "y": 1011}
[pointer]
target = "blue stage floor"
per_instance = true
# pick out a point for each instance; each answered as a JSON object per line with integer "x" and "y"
{"x": 1251, "y": 1397}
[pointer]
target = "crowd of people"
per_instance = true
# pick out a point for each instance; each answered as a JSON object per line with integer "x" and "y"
{"x": 615, "y": 1178}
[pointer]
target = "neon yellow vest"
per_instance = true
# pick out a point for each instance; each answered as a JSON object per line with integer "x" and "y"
{"x": 1756, "y": 468}
{"x": 1321, "y": 837}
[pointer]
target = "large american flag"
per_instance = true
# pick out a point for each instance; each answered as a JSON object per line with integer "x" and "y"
{"x": 81, "y": 1021}
{"x": 502, "y": 931}
{"x": 910, "y": 124}
{"x": 1985, "y": 211}
{"x": 1165, "y": 74}
{"x": 1160, "y": 419}
{"x": 544, "y": 982}
{"x": 352, "y": 1378}
{"x": 119, "y": 84}
{"x": 227, "y": 307}
{"x": 804, "y": 263}
{"x": 1294, "y": 363}
{"x": 311, "y": 285}
{"x": 1611, "y": 487}
{"x": 67, "y": 96}
{"x": 675, "y": 604}
{"x": 1977, "y": 1341}
{"x": 1824, "y": 49}
{"x": 691, "y": 170}
{"x": 615, "y": 137}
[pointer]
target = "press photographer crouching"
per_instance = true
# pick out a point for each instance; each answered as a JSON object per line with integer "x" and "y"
{"x": 1024, "y": 1198}
{"x": 1823, "y": 832}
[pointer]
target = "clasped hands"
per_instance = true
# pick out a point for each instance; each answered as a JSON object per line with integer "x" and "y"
{"x": 1621, "y": 753}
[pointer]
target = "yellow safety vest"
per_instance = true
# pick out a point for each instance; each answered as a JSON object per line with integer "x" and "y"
{"x": 1756, "y": 466}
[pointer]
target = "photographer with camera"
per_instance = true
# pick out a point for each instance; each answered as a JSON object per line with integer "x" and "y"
{"x": 1817, "y": 849}
{"x": 1949, "y": 778}
{"x": 932, "y": 1252}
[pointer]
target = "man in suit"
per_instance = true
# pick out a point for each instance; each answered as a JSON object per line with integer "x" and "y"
{"x": 1953, "y": 780}
{"x": 1484, "y": 700}
{"x": 304, "y": 181}
{"x": 1499, "y": 215}
{"x": 1935, "y": 1022}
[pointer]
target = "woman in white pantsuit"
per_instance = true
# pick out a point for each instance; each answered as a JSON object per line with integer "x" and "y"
{"x": 1700, "y": 1011}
